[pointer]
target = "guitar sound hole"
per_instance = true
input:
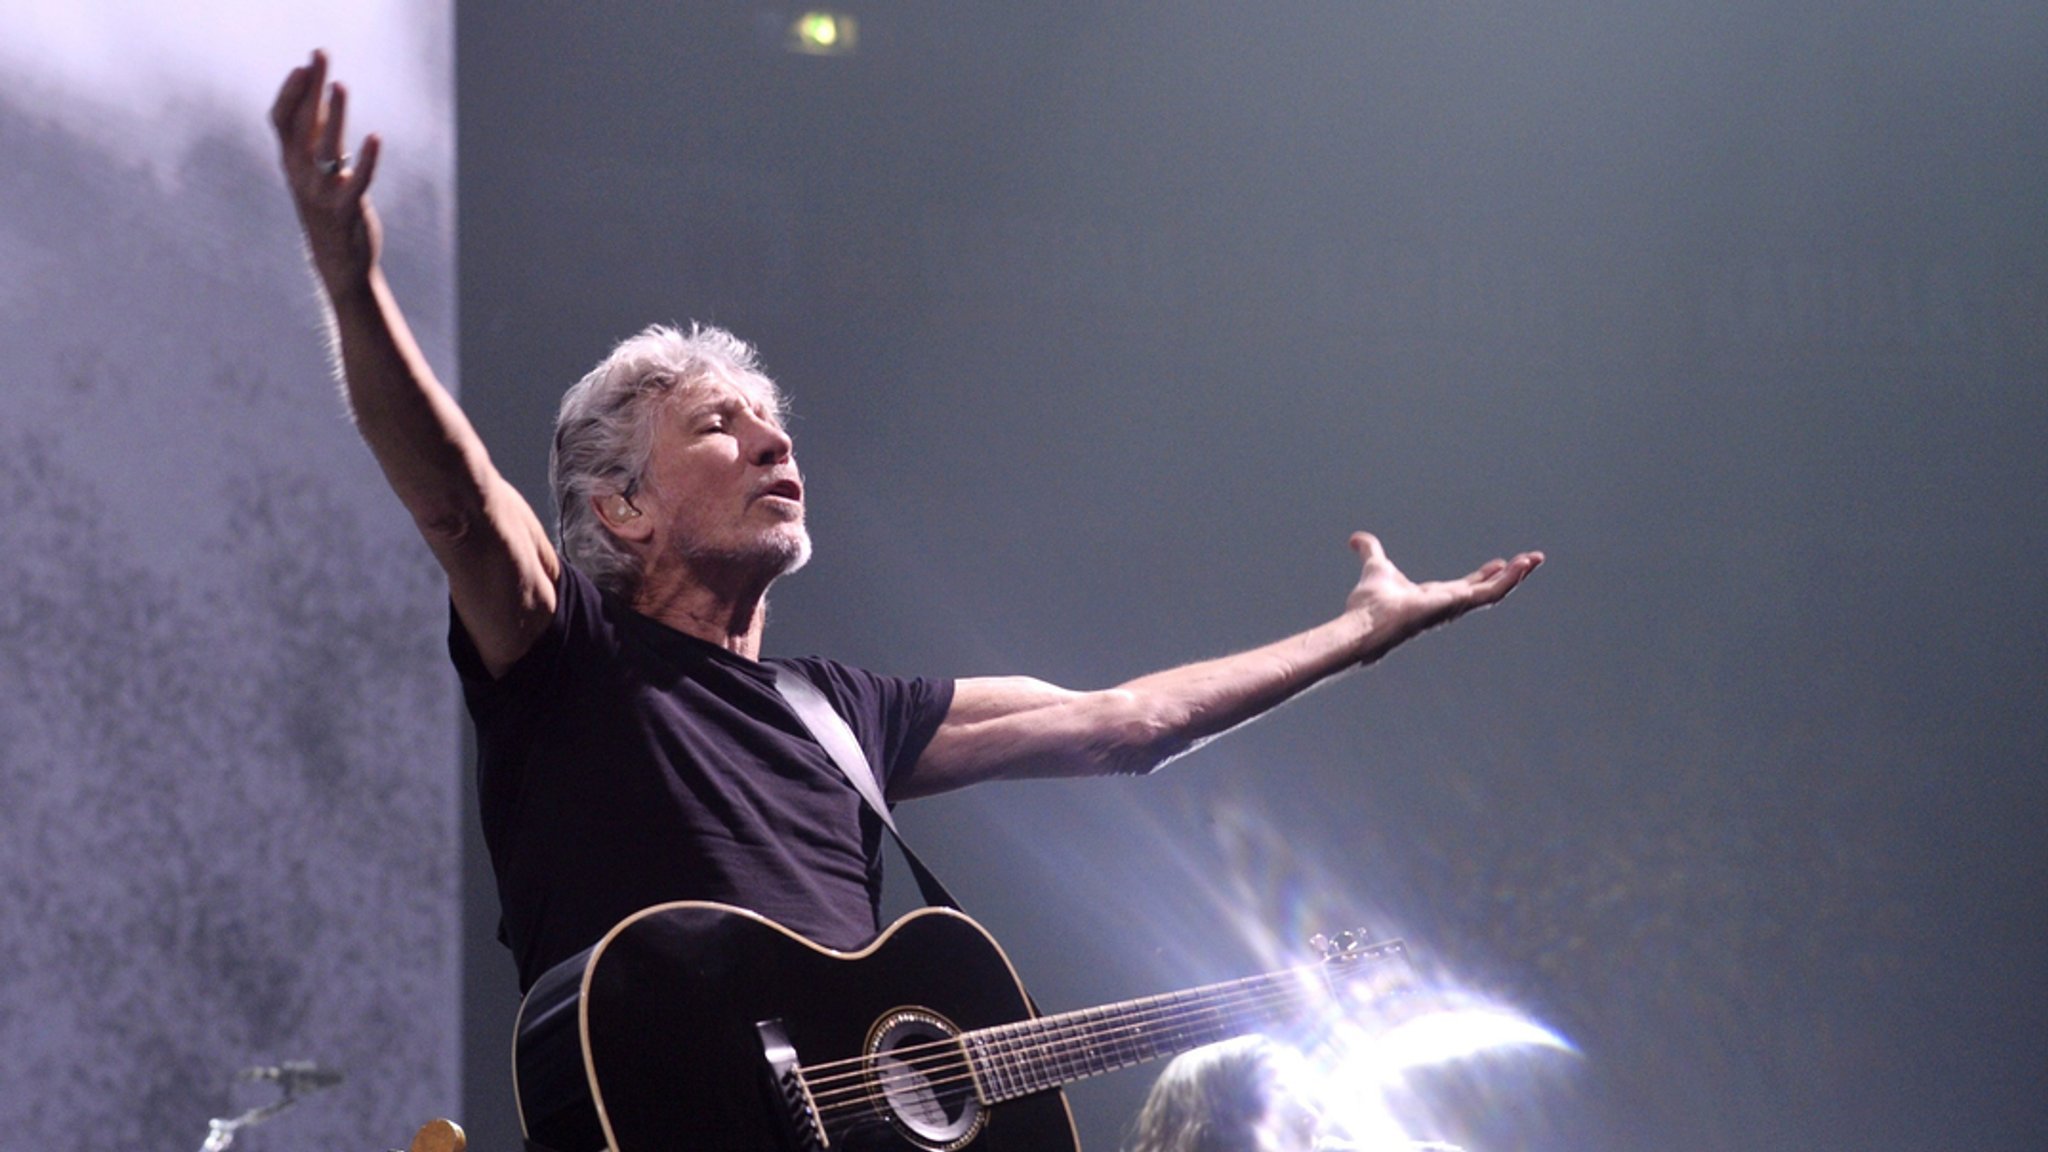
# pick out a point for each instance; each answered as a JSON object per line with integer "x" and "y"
{"x": 921, "y": 1077}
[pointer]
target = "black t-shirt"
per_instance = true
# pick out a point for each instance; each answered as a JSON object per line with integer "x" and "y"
{"x": 622, "y": 764}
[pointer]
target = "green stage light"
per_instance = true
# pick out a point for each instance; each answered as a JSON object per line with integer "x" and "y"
{"x": 819, "y": 32}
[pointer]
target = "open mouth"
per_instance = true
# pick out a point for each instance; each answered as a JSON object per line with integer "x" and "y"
{"x": 787, "y": 489}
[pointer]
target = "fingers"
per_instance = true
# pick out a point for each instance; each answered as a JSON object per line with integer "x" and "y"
{"x": 1494, "y": 580}
{"x": 330, "y": 133}
{"x": 311, "y": 119}
{"x": 289, "y": 95}
{"x": 305, "y": 115}
{"x": 310, "y": 115}
{"x": 297, "y": 107}
{"x": 1367, "y": 546}
{"x": 1523, "y": 564}
{"x": 365, "y": 166}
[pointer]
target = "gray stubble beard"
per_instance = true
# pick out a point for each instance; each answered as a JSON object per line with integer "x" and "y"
{"x": 778, "y": 556}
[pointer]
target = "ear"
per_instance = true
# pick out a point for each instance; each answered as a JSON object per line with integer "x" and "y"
{"x": 622, "y": 516}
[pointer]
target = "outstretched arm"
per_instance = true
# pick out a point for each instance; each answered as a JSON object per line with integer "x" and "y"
{"x": 1014, "y": 727}
{"x": 501, "y": 567}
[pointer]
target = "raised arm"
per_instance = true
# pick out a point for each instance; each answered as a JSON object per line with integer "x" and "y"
{"x": 1013, "y": 727}
{"x": 501, "y": 568}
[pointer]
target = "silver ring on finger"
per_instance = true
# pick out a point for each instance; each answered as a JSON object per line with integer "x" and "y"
{"x": 333, "y": 167}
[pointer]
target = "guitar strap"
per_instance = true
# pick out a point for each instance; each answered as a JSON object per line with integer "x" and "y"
{"x": 831, "y": 732}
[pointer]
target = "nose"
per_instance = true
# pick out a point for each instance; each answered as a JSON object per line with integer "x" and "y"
{"x": 771, "y": 444}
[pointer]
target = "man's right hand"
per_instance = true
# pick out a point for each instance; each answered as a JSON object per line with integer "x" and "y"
{"x": 329, "y": 189}
{"x": 501, "y": 567}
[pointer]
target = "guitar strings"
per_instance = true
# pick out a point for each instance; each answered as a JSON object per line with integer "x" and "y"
{"x": 1049, "y": 1032}
{"x": 1199, "y": 998}
{"x": 1132, "y": 1012}
{"x": 1033, "y": 1038}
{"x": 946, "y": 1066}
{"x": 858, "y": 1083}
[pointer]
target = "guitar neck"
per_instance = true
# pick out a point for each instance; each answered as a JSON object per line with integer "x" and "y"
{"x": 1014, "y": 1060}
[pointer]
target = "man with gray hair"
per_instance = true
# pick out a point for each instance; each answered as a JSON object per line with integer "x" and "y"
{"x": 633, "y": 748}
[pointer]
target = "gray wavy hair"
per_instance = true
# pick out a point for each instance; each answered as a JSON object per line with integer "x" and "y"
{"x": 604, "y": 434}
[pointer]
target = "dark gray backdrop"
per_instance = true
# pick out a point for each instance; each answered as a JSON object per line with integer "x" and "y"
{"x": 1106, "y": 325}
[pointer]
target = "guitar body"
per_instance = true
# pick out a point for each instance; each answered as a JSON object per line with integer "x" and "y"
{"x": 650, "y": 1040}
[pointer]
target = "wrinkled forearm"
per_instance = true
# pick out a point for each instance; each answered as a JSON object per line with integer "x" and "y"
{"x": 424, "y": 443}
{"x": 1185, "y": 707}
{"x": 1018, "y": 729}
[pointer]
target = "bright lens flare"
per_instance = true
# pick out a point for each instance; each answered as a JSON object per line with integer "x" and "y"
{"x": 1409, "y": 1058}
{"x": 1441, "y": 1037}
{"x": 1375, "y": 1071}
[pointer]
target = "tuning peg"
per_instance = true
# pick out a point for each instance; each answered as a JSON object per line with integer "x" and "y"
{"x": 1342, "y": 944}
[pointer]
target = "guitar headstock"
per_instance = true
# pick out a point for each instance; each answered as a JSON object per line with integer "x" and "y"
{"x": 1360, "y": 969}
{"x": 1355, "y": 947}
{"x": 1343, "y": 944}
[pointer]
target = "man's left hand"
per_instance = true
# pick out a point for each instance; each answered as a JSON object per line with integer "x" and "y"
{"x": 1396, "y": 608}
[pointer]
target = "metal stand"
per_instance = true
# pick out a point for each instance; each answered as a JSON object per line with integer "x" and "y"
{"x": 221, "y": 1133}
{"x": 296, "y": 1078}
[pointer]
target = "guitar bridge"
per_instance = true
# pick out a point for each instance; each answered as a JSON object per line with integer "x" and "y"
{"x": 803, "y": 1129}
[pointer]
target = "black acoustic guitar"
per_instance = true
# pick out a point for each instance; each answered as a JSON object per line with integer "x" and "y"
{"x": 698, "y": 1027}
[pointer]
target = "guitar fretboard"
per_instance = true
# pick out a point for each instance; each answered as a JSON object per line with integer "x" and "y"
{"x": 1013, "y": 1060}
